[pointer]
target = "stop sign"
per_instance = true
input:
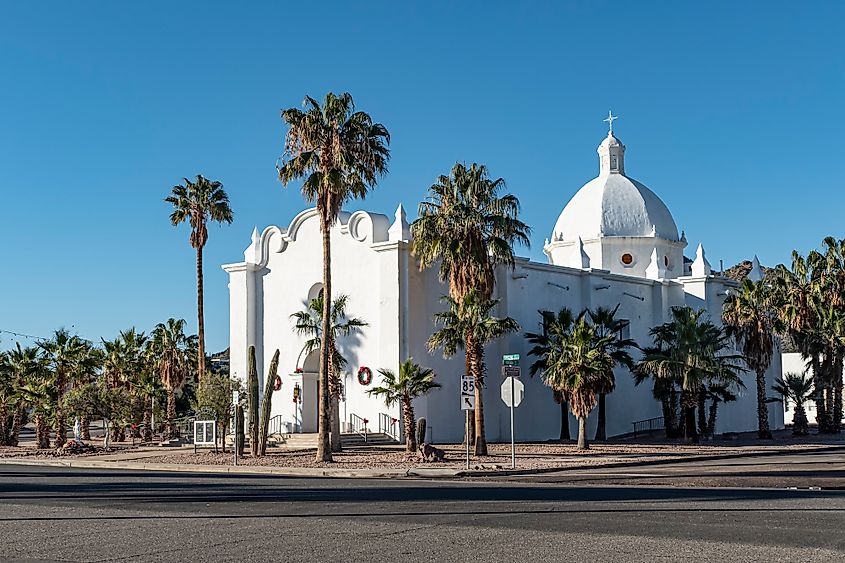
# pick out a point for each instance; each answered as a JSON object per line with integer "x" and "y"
{"x": 513, "y": 391}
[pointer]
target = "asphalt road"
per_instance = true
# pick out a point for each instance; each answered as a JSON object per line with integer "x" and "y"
{"x": 90, "y": 515}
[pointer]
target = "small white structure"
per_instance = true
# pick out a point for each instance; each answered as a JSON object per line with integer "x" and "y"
{"x": 615, "y": 243}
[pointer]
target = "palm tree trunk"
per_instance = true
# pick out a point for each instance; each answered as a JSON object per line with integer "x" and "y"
{"x": 85, "y": 428}
{"x": 673, "y": 429}
{"x": 324, "y": 452}
{"x": 337, "y": 446}
{"x": 702, "y": 408}
{"x": 17, "y": 422}
{"x": 146, "y": 433}
{"x": 171, "y": 413}
{"x": 763, "y": 432}
{"x": 564, "y": 420}
{"x": 711, "y": 419}
{"x": 200, "y": 320}
{"x": 689, "y": 424}
{"x": 818, "y": 386}
{"x": 837, "y": 394}
{"x": 478, "y": 372}
{"x": 799, "y": 421}
{"x": 601, "y": 428}
{"x": 42, "y": 431}
{"x": 582, "y": 433}
{"x": 410, "y": 425}
{"x": 61, "y": 422}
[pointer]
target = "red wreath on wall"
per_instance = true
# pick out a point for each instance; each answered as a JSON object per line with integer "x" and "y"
{"x": 365, "y": 375}
{"x": 277, "y": 383}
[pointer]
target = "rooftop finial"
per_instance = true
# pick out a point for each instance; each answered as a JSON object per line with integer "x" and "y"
{"x": 610, "y": 119}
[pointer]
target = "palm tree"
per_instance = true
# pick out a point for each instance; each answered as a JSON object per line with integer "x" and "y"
{"x": 147, "y": 388}
{"x": 308, "y": 322}
{"x": 413, "y": 381}
{"x": 38, "y": 392}
{"x": 468, "y": 325}
{"x": 581, "y": 366}
{"x": 124, "y": 361}
{"x": 16, "y": 366}
{"x": 68, "y": 357}
{"x": 606, "y": 324}
{"x": 749, "y": 317}
{"x": 172, "y": 352}
{"x": 339, "y": 153}
{"x": 689, "y": 352}
{"x": 554, "y": 328}
{"x": 466, "y": 227}
{"x": 797, "y": 388}
{"x": 199, "y": 202}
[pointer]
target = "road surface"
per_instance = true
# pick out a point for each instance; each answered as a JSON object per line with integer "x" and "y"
{"x": 91, "y": 515}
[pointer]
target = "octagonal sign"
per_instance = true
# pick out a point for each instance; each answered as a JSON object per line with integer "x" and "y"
{"x": 513, "y": 390}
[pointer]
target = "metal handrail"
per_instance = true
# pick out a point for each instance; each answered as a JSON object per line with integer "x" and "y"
{"x": 358, "y": 425}
{"x": 274, "y": 426}
{"x": 389, "y": 425}
{"x": 649, "y": 425}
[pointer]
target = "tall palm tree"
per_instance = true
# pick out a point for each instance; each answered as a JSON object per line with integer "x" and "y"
{"x": 469, "y": 325}
{"x": 413, "y": 381}
{"x": 68, "y": 357}
{"x": 798, "y": 388}
{"x": 199, "y": 202}
{"x": 172, "y": 351}
{"x": 554, "y": 328}
{"x": 580, "y": 365}
{"x": 339, "y": 153}
{"x": 38, "y": 392}
{"x": 467, "y": 227}
{"x": 606, "y": 324}
{"x": 308, "y": 322}
{"x": 689, "y": 352}
{"x": 749, "y": 316}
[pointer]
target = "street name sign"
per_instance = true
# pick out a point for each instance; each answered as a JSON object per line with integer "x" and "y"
{"x": 510, "y": 359}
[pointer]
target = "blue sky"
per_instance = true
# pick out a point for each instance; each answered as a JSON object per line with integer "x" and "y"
{"x": 730, "y": 112}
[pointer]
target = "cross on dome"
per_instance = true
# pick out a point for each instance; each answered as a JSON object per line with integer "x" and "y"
{"x": 610, "y": 119}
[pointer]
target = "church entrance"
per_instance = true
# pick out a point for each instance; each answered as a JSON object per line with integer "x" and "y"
{"x": 310, "y": 400}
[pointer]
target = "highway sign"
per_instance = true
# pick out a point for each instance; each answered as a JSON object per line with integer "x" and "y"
{"x": 468, "y": 386}
{"x": 513, "y": 391}
{"x": 467, "y": 403}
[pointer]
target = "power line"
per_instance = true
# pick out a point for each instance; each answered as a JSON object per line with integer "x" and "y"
{"x": 33, "y": 337}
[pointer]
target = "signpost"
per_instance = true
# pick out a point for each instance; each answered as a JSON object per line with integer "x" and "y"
{"x": 235, "y": 398}
{"x": 467, "y": 404}
{"x": 512, "y": 392}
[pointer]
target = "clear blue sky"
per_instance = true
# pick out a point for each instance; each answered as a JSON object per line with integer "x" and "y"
{"x": 731, "y": 112}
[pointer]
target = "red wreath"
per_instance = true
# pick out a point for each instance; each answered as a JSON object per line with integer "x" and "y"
{"x": 277, "y": 383}
{"x": 365, "y": 375}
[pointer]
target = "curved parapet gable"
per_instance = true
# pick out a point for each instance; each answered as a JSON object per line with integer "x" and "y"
{"x": 361, "y": 226}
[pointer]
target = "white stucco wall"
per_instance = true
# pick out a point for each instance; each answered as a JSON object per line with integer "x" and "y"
{"x": 283, "y": 267}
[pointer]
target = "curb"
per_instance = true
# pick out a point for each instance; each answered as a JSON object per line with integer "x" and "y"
{"x": 239, "y": 470}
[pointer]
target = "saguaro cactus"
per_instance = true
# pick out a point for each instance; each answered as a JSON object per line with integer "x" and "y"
{"x": 240, "y": 436}
{"x": 252, "y": 405}
{"x": 269, "y": 387}
{"x": 422, "y": 426}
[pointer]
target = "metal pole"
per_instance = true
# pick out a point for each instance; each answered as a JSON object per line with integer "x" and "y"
{"x": 513, "y": 446}
{"x": 467, "y": 437}
{"x": 236, "y": 435}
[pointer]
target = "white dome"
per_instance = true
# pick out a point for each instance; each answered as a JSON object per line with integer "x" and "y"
{"x": 617, "y": 206}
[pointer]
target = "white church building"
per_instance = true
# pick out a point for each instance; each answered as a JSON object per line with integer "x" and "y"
{"x": 614, "y": 243}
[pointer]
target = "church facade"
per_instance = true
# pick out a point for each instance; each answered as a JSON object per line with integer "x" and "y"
{"x": 614, "y": 244}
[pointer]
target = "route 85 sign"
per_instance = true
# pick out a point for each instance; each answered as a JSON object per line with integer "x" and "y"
{"x": 467, "y": 393}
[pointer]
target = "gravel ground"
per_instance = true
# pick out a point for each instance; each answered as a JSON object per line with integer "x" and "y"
{"x": 528, "y": 456}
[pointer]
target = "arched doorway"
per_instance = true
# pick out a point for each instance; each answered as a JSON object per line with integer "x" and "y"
{"x": 310, "y": 391}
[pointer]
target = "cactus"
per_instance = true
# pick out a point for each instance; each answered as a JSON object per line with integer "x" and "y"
{"x": 421, "y": 429}
{"x": 240, "y": 437}
{"x": 272, "y": 373}
{"x": 252, "y": 404}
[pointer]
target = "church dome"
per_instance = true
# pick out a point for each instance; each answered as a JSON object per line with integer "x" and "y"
{"x": 614, "y": 205}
